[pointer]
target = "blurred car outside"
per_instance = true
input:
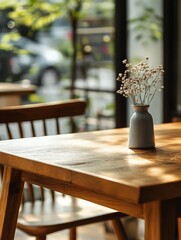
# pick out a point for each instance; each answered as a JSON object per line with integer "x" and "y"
{"x": 40, "y": 64}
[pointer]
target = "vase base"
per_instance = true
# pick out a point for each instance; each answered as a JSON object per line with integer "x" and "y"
{"x": 145, "y": 148}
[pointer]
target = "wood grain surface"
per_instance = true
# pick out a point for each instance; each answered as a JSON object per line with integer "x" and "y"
{"x": 102, "y": 161}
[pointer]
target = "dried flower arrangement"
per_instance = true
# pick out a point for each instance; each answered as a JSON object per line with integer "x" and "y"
{"x": 140, "y": 82}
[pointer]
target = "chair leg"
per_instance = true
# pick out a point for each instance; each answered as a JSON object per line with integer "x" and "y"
{"x": 179, "y": 227}
{"x": 72, "y": 234}
{"x": 119, "y": 229}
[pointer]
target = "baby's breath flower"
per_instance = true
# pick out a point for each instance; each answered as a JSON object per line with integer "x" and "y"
{"x": 140, "y": 82}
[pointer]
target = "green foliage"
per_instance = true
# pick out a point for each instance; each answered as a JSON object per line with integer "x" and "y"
{"x": 6, "y": 46}
{"x": 148, "y": 25}
{"x": 34, "y": 14}
{"x": 104, "y": 9}
{"x": 40, "y": 13}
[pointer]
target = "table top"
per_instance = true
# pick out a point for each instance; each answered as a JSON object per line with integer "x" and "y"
{"x": 101, "y": 161}
{"x": 16, "y": 88}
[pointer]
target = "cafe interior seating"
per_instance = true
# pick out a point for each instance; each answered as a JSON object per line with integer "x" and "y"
{"x": 43, "y": 211}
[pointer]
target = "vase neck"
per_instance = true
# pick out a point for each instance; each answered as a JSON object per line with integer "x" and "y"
{"x": 140, "y": 108}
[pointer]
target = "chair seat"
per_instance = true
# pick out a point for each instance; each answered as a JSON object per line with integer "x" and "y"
{"x": 65, "y": 212}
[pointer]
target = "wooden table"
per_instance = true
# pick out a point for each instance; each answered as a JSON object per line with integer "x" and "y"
{"x": 99, "y": 167}
{"x": 11, "y": 93}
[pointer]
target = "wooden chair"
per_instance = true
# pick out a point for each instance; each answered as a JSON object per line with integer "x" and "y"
{"x": 56, "y": 212}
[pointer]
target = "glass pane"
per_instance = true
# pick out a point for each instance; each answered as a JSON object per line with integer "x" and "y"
{"x": 47, "y": 59}
{"x": 145, "y": 40}
{"x": 178, "y": 107}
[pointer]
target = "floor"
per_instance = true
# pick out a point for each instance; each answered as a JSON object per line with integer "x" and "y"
{"x": 134, "y": 229}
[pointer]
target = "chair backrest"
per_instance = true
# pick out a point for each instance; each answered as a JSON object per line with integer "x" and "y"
{"x": 32, "y": 113}
{"x": 41, "y": 112}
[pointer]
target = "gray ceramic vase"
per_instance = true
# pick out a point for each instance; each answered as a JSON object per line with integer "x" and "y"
{"x": 141, "y": 131}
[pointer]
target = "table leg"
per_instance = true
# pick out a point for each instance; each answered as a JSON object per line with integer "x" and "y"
{"x": 12, "y": 188}
{"x": 160, "y": 220}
